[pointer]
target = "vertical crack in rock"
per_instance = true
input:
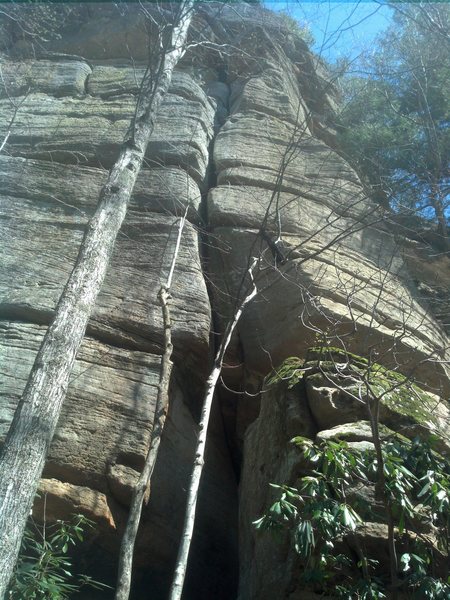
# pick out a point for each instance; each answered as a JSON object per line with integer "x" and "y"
{"x": 219, "y": 92}
{"x": 216, "y": 149}
{"x": 105, "y": 425}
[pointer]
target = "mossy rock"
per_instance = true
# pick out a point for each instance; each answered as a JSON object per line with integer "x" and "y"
{"x": 335, "y": 380}
{"x": 359, "y": 431}
{"x": 333, "y": 355}
{"x": 290, "y": 371}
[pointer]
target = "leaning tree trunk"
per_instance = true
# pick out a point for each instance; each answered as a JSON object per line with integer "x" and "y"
{"x": 189, "y": 519}
{"x": 24, "y": 452}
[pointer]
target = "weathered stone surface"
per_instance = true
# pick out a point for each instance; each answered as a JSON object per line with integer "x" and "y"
{"x": 56, "y": 78}
{"x": 52, "y": 192}
{"x": 90, "y": 130}
{"x": 308, "y": 157}
{"x": 44, "y": 210}
{"x": 317, "y": 210}
{"x": 74, "y": 116}
{"x": 108, "y": 410}
{"x": 330, "y": 405}
{"x": 268, "y": 564}
{"x": 114, "y": 80}
{"x": 374, "y": 535}
{"x": 110, "y": 32}
{"x": 273, "y": 91}
{"x": 121, "y": 481}
{"x": 358, "y": 431}
{"x": 105, "y": 427}
{"x": 270, "y": 567}
{"x": 336, "y": 399}
{"x": 430, "y": 267}
{"x": 56, "y": 500}
{"x": 39, "y": 254}
{"x": 362, "y": 446}
{"x": 343, "y": 265}
{"x": 78, "y": 131}
{"x": 343, "y": 285}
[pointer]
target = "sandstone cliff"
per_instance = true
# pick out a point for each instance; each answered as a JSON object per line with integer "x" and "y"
{"x": 244, "y": 127}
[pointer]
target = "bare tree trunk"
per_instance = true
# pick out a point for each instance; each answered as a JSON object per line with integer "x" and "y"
{"x": 24, "y": 452}
{"x": 438, "y": 206}
{"x": 162, "y": 403}
{"x": 188, "y": 527}
{"x": 382, "y": 493}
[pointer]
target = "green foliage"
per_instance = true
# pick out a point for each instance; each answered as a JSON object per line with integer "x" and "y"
{"x": 319, "y": 513}
{"x": 44, "y": 570}
{"x": 374, "y": 381}
{"x": 362, "y": 590}
{"x": 395, "y": 125}
{"x": 290, "y": 370}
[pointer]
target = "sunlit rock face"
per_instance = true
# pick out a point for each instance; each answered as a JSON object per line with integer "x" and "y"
{"x": 73, "y": 114}
{"x": 244, "y": 144}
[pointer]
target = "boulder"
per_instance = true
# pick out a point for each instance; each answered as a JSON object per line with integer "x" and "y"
{"x": 55, "y": 78}
{"x": 354, "y": 432}
{"x": 336, "y": 396}
{"x": 56, "y": 500}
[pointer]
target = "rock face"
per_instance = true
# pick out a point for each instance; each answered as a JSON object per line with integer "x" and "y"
{"x": 321, "y": 406}
{"x": 244, "y": 144}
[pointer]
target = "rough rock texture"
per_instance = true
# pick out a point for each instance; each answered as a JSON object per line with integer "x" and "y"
{"x": 343, "y": 266}
{"x": 102, "y": 439}
{"x": 244, "y": 141}
{"x": 45, "y": 208}
{"x": 88, "y": 130}
{"x": 267, "y": 568}
{"x": 64, "y": 119}
{"x": 62, "y": 78}
{"x": 319, "y": 407}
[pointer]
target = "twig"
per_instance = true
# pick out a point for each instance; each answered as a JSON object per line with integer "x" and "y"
{"x": 183, "y": 552}
{"x": 142, "y": 487}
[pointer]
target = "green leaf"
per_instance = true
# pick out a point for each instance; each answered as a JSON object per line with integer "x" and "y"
{"x": 349, "y": 517}
{"x": 405, "y": 560}
{"x": 300, "y": 440}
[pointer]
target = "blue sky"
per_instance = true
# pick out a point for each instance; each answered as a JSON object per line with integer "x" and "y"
{"x": 339, "y": 28}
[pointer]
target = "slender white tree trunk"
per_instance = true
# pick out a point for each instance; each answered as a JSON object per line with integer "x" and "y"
{"x": 188, "y": 527}
{"x": 24, "y": 452}
{"x": 162, "y": 404}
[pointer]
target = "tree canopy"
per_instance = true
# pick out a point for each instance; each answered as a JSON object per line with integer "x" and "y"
{"x": 395, "y": 125}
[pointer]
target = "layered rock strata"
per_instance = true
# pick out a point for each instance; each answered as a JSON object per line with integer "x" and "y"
{"x": 244, "y": 144}
{"x": 64, "y": 120}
